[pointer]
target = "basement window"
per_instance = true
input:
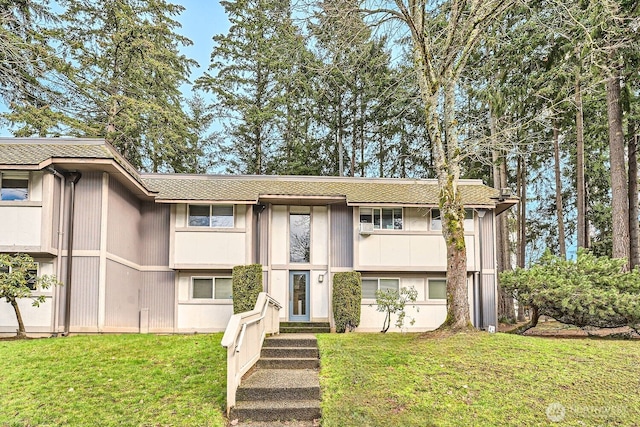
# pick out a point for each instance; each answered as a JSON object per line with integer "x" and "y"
{"x": 370, "y": 286}
{"x": 218, "y": 288}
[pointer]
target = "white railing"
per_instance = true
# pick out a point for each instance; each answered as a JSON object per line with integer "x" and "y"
{"x": 243, "y": 340}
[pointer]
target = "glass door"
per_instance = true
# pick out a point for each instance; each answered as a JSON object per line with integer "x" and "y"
{"x": 299, "y": 296}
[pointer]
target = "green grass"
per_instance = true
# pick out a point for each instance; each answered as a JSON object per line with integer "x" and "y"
{"x": 367, "y": 380}
{"x": 113, "y": 380}
{"x": 478, "y": 380}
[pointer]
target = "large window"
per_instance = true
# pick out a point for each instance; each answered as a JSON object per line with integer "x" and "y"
{"x": 382, "y": 218}
{"x": 217, "y": 216}
{"x": 14, "y": 186}
{"x": 300, "y": 237}
{"x": 437, "y": 289}
{"x": 436, "y": 220}
{"x": 211, "y": 288}
{"x": 370, "y": 286}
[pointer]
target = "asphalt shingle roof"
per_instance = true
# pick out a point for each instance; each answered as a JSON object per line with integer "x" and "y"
{"x": 355, "y": 190}
{"x": 174, "y": 187}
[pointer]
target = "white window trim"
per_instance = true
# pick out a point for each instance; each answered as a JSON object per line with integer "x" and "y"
{"x": 426, "y": 294}
{"x": 379, "y": 279}
{"x": 211, "y": 226}
{"x": 380, "y": 208}
{"x": 213, "y": 289}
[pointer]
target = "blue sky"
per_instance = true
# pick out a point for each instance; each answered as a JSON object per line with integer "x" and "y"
{"x": 201, "y": 20}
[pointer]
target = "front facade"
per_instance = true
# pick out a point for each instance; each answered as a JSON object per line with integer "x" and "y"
{"x": 154, "y": 253}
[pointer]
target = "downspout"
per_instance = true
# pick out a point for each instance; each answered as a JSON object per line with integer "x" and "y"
{"x": 56, "y": 311}
{"x": 73, "y": 177}
{"x": 481, "y": 214}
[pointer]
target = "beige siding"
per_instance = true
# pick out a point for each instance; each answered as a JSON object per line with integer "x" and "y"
{"x": 158, "y": 295}
{"x": 87, "y": 212}
{"x": 84, "y": 293}
{"x": 155, "y": 224}
{"x": 341, "y": 241}
{"x": 122, "y": 297}
{"x": 124, "y": 235}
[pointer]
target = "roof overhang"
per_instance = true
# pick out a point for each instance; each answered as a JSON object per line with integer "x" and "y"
{"x": 503, "y": 205}
{"x": 300, "y": 200}
{"x": 100, "y": 165}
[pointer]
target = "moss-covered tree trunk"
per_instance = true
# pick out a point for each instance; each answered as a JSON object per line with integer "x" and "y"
{"x": 452, "y": 209}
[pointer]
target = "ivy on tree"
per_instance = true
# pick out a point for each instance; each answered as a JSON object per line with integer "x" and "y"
{"x": 18, "y": 280}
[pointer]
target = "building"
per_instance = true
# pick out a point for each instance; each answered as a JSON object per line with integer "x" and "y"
{"x": 154, "y": 252}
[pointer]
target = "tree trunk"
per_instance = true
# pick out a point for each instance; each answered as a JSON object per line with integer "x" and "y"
{"x": 619, "y": 192}
{"x": 522, "y": 221}
{"x": 581, "y": 192}
{"x": 559, "y": 213}
{"x": 634, "y": 226}
{"x": 535, "y": 315}
{"x": 21, "y": 332}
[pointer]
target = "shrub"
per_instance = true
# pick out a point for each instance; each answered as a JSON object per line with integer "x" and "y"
{"x": 590, "y": 291}
{"x": 390, "y": 301}
{"x": 347, "y": 297}
{"x": 247, "y": 284}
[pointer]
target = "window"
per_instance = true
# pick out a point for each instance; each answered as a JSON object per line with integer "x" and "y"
{"x": 300, "y": 237}
{"x": 437, "y": 289}
{"x": 216, "y": 216}
{"x": 370, "y": 286}
{"x": 211, "y": 288}
{"x": 14, "y": 186}
{"x": 32, "y": 276}
{"x": 436, "y": 219}
{"x": 382, "y": 218}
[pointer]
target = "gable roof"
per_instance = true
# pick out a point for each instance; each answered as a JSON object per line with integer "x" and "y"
{"x": 69, "y": 153}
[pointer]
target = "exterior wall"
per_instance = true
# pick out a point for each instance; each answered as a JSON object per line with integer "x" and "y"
{"x": 203, "y": 247}
{"x": 158, "y": 299}
{"x": 280, "y": 267}
{"x": 36, "y": 319}
{"x": 195, "y": 315}
{"x": 429, "y": 314}
{"x": 414, "y": 248}
{"x": 22, "y": 222}
{"x": 342, "y": 232}
{"x": 122, "y": 305}
{"x": 84, "y": 294}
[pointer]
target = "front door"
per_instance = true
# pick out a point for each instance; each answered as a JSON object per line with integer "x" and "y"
{"x": 299, "y": 296}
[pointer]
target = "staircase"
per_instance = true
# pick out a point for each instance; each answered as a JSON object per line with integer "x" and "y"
{"x": 285, "y": 385}
{"x": 305, "y": 327}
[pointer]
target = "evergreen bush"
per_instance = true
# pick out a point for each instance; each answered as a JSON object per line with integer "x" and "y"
{"x": 589, "y": 291}
{"x": 347, "y": 297}
{"x": 247, "y": 284}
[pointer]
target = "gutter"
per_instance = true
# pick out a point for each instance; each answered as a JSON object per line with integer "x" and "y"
{"x": 73, "y": 178}
{"x": 56, "y": 312}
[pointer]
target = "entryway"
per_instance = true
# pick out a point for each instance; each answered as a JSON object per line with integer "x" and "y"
{"x": 299, "y": 296}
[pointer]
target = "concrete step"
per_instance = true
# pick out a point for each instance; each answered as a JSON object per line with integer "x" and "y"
{"x": 290, "y": 352}
{"x": 280, "y": 384}
{"x": 274, "y": 410}
{"x": 305, "y": 327}
{"x": 304, "y": 330}
{"x": 317, "y": 324}
{"x": 298, "y": 363}
{"x": 291, "y": 340}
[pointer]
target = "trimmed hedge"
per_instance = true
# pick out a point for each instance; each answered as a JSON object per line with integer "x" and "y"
{"x": 347, "y": 298}
{"x": 247, "y": 284}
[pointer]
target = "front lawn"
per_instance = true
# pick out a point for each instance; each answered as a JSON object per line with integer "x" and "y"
{"x": 367, "y": 380}
{"x": 108, "y": 380}
{"x": 478, "y": 380}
